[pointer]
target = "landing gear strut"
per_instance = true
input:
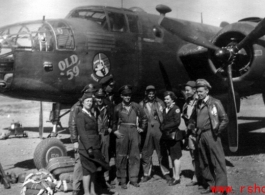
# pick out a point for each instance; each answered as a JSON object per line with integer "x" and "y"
{"x": 51, "y": 147}
{"x": 55, "y": 119}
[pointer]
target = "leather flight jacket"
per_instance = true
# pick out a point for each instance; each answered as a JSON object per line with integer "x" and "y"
{"x": 217, "y": 114}
{"x": 158, "y": 107}
{"x": 104, "y": 119}
{"x": 76, "y": 108}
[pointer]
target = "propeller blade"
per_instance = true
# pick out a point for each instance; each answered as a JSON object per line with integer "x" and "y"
{"x": 232, "y": 114}
{"x": 263, "y": 97}
{"x": 41, "y": 121}
{"x": 165, "y": 77}
{"x": 257, "y": 32}
{"x": 186, "y": 32}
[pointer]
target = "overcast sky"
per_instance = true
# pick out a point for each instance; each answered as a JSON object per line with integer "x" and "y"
{"x": 213, "y": 11}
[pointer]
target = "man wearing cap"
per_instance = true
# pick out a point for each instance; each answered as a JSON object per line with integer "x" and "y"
{"x": 153, "y": 108}
{"x": 107, "y": 84}
{"x": 105, "y": 117}
{"x": 211, "y": 120}
{"x": 129, "y": 120}
{"x": 76, "y": 108}
{"x": 187, "y": 110}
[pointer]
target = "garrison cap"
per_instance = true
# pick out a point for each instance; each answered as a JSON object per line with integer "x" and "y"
{"x": 87, "y": 95}
{"x": 125, "y": 90}
{"x": 150, "y": 88}
{"x": 100, "y": 93}
{"x": 108, "y": 80}
{"x": 203, "y": 83}
{"x": 89, "y": 88}
{"x": 192, "y": 84}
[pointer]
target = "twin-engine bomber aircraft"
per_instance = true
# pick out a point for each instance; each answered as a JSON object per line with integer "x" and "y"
{"x": 52, "y": 60}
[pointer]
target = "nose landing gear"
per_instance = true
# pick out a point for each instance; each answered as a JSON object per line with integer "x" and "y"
{"x": 51, "y": 147}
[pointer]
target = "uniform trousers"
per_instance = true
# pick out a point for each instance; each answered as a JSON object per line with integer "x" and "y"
{"x": 128, "y": 145}
{"x": 151, "y": 143}
{"x": 195, "y": 157}
{"x": 105, "y": 142}
{"x": 212, "y": 159}
{"x": 78, "y": 173}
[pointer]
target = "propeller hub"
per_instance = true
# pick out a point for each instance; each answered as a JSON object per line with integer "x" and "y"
{"x": 223, "y": 54}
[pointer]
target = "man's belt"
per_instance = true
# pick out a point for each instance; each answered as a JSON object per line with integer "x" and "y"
{"x": 200, "y": 131}
{"x": 129, "y": 124}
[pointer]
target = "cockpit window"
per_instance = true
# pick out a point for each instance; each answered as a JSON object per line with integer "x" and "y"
{"x": 64, "y": 36}
{"x": 117, "y": 22}
{"x": 133, "y": 24}
{"x": 94, "y": 15}
{"x": 44, "y": 39}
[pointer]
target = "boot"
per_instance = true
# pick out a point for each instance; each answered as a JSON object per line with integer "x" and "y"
{"x": 6, "y": 183}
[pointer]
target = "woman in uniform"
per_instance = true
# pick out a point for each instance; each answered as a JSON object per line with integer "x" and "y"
{"x": 171, "y": 139}
{"x": 89, "y": 144}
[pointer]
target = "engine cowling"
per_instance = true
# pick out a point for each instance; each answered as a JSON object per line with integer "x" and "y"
{"x": 248, "y": 66}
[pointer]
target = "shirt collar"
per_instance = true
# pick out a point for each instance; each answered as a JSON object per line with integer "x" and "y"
{"x": 87, "y": 112}
{"x": 171, "y": 105}
{"x": 102, "y": 108}
{"x": 146, "y": 100}
{"x": 123, "y": 105}
{"x": 206, "y": 99}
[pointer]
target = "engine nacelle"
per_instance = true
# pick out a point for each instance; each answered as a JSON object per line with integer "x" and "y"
{"x": 248, "y": 66}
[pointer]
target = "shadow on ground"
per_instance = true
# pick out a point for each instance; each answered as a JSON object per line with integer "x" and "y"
{"x": 26, "y": 164}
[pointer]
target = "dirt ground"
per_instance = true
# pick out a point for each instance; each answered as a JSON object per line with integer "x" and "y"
{"x": 245, "y": 168}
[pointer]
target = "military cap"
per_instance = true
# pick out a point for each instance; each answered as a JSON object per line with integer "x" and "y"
{"x": 126, "y": 89}
{"x": 108, "y": 80}
{"x": 192, "y": 84}
{"x": 87, "y": 95}
{"x": 150, "y": 88}
{"x": 100, "y": 93}
{"x": 203, "y": 83}
{"x": 89, "y": 88}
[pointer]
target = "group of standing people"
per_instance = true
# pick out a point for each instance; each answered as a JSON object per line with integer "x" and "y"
{"x": 132, "y": 132}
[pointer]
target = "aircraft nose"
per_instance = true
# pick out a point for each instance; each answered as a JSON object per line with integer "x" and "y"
{"x": 6, "y": 72}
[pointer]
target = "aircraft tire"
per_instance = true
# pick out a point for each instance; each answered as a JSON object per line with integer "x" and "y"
{"x": 47, "y": 149}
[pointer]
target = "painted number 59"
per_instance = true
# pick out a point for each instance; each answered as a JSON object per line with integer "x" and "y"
{"x": 72, "y": 72}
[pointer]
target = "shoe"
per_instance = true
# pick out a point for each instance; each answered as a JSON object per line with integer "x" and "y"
{"x": 192, "y": 183}
{"x": 113, "y": 182}
{"x": 146, "y": 178}
{"x": 6, "y": 183}
{"x": 174, "y": 182}
{"x": 13, "y": 178}
{"x": 75, "y": 192}
{"x": 207, "y": 191}
{"x": 123, "y": 186}
{"x": 200, "y": 187}
{"x": 168, "y": 178}
{"x": 109, "y": 186}
{"x": 135, "y": 184}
